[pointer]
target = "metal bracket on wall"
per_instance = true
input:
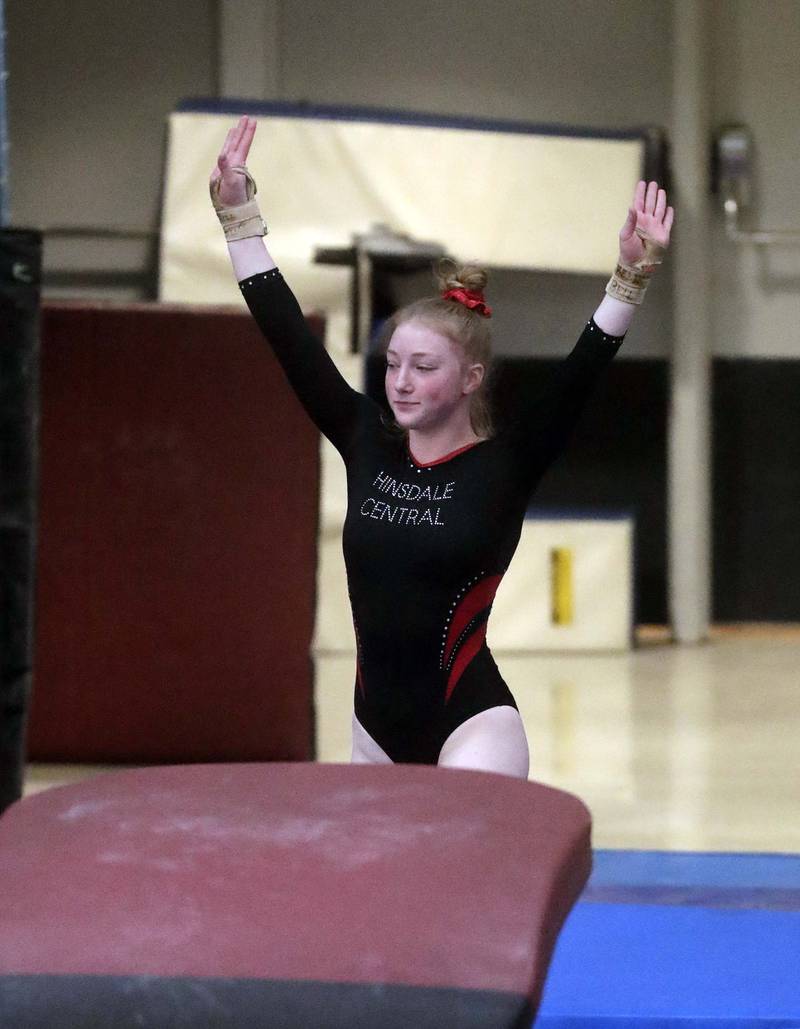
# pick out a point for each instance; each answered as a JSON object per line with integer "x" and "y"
{"x": 732, "y": 182}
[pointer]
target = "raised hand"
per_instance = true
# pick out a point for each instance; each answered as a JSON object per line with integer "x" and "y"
{"x": 232, "y": 184}
{"x": 648, "y": 215}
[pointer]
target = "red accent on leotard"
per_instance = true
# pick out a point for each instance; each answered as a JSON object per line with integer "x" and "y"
{"x": 478, "y": 598}
{"x": 447, "y": 457}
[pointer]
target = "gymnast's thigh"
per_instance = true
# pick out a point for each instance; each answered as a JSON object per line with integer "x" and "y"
{"x": 493, "y": 740}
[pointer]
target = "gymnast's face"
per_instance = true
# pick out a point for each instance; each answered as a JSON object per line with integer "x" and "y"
{"x": 428, "y": 379}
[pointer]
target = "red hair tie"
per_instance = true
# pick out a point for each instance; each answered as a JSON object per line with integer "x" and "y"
{"x": 469, "y": 298}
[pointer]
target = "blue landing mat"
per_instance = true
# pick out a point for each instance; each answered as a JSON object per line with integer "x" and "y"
{"x": 672, "y": 941}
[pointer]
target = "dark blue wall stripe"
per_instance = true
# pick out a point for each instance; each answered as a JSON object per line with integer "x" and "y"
{"x": 385, "y": 115}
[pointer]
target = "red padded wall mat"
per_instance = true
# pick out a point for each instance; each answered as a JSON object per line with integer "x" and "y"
{"x": 177, "y": 541}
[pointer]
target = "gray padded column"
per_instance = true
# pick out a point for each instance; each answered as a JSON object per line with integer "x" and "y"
{"x": 689, "y": 482}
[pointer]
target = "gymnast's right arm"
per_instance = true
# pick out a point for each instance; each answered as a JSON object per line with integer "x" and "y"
{"x": 330, "y": 401}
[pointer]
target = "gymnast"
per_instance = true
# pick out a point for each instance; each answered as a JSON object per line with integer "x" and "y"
{"x": 436, "y": 497}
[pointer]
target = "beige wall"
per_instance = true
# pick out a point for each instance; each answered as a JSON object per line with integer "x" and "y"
{"x": 90, "y": 86}
{"x": 575, "y": 61}
{"x": 91, "y": 83}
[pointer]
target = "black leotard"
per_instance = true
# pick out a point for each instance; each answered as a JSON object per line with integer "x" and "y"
{"x": 425, "y": 546}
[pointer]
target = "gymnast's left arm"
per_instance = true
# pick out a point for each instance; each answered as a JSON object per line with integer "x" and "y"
{"x": 643, "y": 241}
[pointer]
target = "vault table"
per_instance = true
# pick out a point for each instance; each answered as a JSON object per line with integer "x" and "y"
{"x": 283, "y": 895}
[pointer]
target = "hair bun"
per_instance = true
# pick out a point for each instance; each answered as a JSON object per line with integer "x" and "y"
{"x": 452, "y": 275}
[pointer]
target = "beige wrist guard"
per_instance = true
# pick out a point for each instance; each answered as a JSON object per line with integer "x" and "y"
{"x": 629, "y": 282}
{"x": 243, "y": 220}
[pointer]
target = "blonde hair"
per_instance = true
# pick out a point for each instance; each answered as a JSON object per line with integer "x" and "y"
{"x": 465, "y": 327}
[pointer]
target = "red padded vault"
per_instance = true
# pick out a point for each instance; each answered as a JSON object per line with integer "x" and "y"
{"x": 325, "y": 885}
